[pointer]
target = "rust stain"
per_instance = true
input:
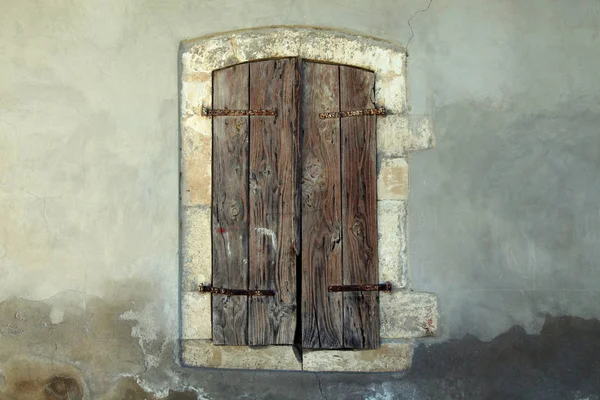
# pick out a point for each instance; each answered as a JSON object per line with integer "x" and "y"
{"x": 353, "y": 113}
{"x": 207, "y": 112}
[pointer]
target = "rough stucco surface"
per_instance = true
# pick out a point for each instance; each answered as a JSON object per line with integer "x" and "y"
{"x": 503, "y": 213}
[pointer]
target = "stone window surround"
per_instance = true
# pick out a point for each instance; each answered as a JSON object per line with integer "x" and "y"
{"x": 404, "y": 314}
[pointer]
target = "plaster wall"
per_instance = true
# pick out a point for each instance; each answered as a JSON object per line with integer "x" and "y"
{"x": 503, "y": 213}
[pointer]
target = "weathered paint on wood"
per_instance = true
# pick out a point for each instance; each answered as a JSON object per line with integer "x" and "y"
{"x": 230, "y": 206}
{"x": 321, "y": 208}
{"x": 359, "y": 209}
{"x": 273, "y": 157}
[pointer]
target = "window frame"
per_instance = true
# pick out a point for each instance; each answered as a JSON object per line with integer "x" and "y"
{"x": 404, "y": 314}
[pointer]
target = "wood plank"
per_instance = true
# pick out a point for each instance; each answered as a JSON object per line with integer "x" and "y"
{"x": 321, "y": 208}
{"x": 273, "y": 198}
{"x": 359, "y": 208}
{"x": 230, "y": 206}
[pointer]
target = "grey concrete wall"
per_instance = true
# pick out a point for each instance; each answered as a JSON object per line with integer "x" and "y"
{"x": 504, "y": 218}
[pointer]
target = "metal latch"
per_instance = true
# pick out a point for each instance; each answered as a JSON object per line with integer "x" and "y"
{"x": 235, "y": 292}
{"x": 375, "y": 287}
{"x": 355, "y": 113}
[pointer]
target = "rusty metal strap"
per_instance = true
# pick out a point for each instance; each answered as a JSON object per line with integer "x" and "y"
{"x": 207, "y": 112}
{"x": 234, "y": 292}
{"x": 355, "y": 113}
{"x": 375, "y": 287}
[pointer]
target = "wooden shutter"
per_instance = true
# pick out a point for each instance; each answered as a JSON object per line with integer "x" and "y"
{"x": 339, "y": 209}
{"x": 359, "y": 208}
{"x": 230, "y": 206}
{"x": 322, "y": 312}
{"x": 273, "y": 198}
{"x": 254, "y": 203}
{"x": 261, "y": 164}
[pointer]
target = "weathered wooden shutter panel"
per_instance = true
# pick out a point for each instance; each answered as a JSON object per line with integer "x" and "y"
{"x": 230, "y": 206}
{"x": 322, "y": 312}
{"x": 255, "y": 211}
{"x": 359, "y": 208}
{"x": 273, "y": 200}
{"x": 339, "y": 209}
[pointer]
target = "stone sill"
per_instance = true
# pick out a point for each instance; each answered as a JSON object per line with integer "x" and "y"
{"x": 390, "y": 357}
{"x": 404, "y": 315}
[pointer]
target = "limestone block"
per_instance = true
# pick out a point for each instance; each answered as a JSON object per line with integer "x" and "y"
{"x": 406, "y": 314}
{"x": 196, "y": 181}
{"x": 196, "y": 247}
{"x": 399, "y": 134}
{"x": 207, "y": 54}
{"x": 392, "y": 256}
{"x": 390, "y": 92}
{"x": 196, "y": 160}
{"x": 202, "y": 353}
{"x": 196, "y": 316}
{"x": 389, "y": 357}
{"x": 392, "y": 132}
{"x": 392, "y": 181}
{"x": 195, "y": 95}
{"x": 421, "y": 133}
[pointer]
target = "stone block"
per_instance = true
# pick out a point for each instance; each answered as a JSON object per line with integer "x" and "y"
{"x": 196, "y": 316}
{"x": 421, "y": 133}
{"x": 390, "y": 357}
{"x": 195, "y": 95}
{"x": 390, "y": 92}
{"x": 196, "y": 247}
{"x": 392, "y": 255}
{"x": 392, "y": 133}
{"x": 196, "y": 181}
{"x": 406, "y": 314}
{"x": 392, "y": 181}
{"x": 399, "y": 134}
{"x": 202, "y": 353}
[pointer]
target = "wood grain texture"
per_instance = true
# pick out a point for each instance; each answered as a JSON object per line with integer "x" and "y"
{"x": 230, "y": 206}
{"x": 359, "y": 209}
{"x": 321, "y": 208}
{"x": 273, "y": 198}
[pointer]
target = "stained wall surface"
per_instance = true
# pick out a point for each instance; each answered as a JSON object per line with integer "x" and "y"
{"x": 504, "y": 219}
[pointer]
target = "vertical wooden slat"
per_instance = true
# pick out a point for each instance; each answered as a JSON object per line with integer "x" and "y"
{"x": 273, "y": 84}
{"x": 230, "y": 206}
{"x": 321, "y": 208}
{"x": 359, "y": 209}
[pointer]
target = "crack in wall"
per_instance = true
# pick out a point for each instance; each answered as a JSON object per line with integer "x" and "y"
{"x": 320, "y": 387}
{"x": 53, "y": 236}
{"x": 412, "y": 32}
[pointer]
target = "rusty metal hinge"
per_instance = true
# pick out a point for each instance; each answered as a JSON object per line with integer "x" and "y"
{"x": 235, "y": 292}
{"x": 375, "y": 287}
{"x": 207, "y": 112}
{"x": 355, "y": 113}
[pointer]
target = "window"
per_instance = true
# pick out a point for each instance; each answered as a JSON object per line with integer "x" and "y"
{"x": 294, "y": 205}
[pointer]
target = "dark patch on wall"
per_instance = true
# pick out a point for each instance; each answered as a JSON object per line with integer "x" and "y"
{"x": 85, "y": 353}
{"x": 128, "y": 389}
{"x": 562, "y": 363}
